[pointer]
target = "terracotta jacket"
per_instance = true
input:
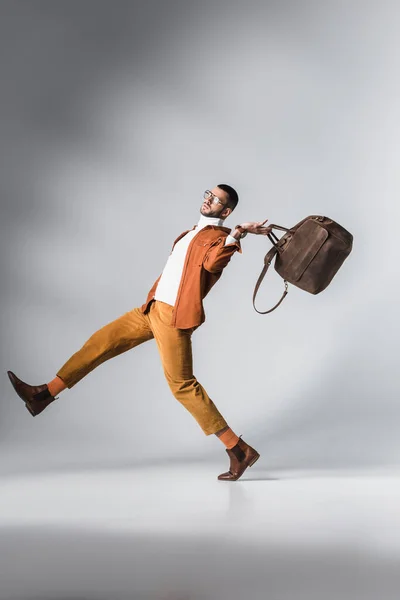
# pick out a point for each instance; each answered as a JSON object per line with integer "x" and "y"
{"x": 206, "y": 257}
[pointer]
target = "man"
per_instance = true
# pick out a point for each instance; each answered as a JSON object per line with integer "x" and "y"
{"x": 172, "y": 311}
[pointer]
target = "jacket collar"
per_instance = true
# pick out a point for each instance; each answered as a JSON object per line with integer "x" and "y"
{"x": 215, "y": 227}
{"x": 227, "y": 229}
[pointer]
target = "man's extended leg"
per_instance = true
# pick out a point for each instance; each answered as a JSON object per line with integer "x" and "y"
{"x": 126, "y": 332}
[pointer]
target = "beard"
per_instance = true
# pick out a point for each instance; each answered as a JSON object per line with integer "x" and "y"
{"x": 210, "y": 211}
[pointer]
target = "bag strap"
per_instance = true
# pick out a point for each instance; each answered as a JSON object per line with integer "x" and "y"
{"x": 267, "y": 261}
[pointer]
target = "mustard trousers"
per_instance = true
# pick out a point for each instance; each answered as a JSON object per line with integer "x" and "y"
{"x": 175, "y": 348}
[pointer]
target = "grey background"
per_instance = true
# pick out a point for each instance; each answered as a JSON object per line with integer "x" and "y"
{"x": 114, "y": 118}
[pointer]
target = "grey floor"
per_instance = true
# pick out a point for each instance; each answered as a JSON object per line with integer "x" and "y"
{"x": 173, "y": 532}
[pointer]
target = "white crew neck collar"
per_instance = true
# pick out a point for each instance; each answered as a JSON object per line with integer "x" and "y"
{"x": 204, "y": 221}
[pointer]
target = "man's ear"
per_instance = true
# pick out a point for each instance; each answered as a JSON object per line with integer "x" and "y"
{"x": 226, "y": 212}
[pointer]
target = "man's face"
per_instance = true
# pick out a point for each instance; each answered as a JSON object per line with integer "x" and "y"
{"x": 220, "y": 209}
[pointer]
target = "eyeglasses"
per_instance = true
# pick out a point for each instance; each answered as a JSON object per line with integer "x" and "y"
{"x": 214, "y": 199}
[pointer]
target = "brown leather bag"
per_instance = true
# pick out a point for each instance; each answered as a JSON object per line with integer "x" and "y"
{"x": 308, "y": 255}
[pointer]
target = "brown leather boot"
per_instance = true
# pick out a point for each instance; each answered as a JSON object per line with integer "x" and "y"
{"x": 36, "y": 397}
{"x": 242, "y": 456}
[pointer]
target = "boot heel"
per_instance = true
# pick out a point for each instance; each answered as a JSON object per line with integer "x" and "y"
{"x": 254, "y": 460}
{"x": 30, "y": 410}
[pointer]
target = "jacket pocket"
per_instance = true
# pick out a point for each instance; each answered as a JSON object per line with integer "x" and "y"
{"x": 210, "y": 245}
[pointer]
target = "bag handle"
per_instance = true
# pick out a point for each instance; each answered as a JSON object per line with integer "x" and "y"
{"x": 267, "y": 261}
{"x": 272, "y": 235}
{"x": 280, "y": 227}
{"x": 273, "y": 239}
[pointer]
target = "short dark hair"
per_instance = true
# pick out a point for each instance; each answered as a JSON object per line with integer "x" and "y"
{"x": 233, "y": 195}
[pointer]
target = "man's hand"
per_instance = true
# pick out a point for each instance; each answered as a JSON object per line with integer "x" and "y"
{"x": 257, "y": 227}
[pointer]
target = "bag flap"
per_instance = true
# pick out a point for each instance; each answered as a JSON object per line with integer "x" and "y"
{"x": 306, "y": 242}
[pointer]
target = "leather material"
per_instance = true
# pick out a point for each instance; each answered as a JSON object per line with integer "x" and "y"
{"x": 241, "y": 456}
{"x": 36, "y": 397}
{"x": 308, "y": 255}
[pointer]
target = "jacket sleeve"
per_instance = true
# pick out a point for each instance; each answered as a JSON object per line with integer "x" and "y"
{"x": 219, "y": 255}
